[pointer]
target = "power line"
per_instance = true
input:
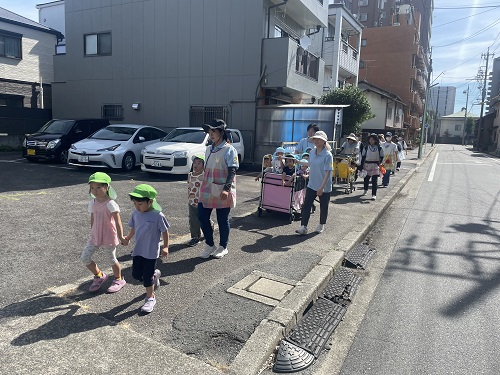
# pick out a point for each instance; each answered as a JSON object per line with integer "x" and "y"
{"x": 469, "y": 7}
{"x": 460, "y": 19}
{"x": 471, "y": 36}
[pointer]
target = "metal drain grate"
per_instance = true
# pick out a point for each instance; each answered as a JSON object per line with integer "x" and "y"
{"x": 358, "y": 257}
{"x": 316, "y": 326}
{"x": 342, "y": 286}
{"x": 291, "y": 358}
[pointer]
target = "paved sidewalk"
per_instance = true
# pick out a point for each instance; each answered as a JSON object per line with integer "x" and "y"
{"x": 197, "y": 327}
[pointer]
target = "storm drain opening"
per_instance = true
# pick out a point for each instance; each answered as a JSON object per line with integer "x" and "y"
{"x": 342, "y": 286}
{"x": 358, "y": 257}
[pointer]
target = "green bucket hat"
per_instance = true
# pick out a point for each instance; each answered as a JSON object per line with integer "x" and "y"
{"x": 198, "y": 156}
{"x": 146, "y": 191}
{"x": 103, "y": 178}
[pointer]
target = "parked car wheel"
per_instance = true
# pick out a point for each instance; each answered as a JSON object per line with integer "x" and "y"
{"x": 32, "y": 160}
{"x": 128, "y": 162}
{"x": 63, "y": 157}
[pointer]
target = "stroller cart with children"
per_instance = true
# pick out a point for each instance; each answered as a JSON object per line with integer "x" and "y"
{"x": 281, "y": 194}
{"x": 344, "y": 168}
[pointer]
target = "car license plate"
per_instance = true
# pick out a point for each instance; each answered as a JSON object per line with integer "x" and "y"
{"x": 156, "y": 163}
{"x": 83, "y": 159}
{"x": 30, "y": 151}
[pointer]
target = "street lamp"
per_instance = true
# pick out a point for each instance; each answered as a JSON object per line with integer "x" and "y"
{"x": 465, "y": 115}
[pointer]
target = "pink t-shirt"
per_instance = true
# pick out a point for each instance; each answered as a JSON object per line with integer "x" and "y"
{"x": 103, "y": 232}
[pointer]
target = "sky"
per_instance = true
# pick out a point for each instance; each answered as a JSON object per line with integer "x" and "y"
{"x": 462, "y": 31}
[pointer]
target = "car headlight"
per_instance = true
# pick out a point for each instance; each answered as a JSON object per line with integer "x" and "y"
{"x": 25, "y": 142}
{"x": 180, "y": 154}
{"x": 53, "y": 144}
{"x": 112, "y": 148}
{"x": 143, "y": 151}
{"x": 73, "y": 147}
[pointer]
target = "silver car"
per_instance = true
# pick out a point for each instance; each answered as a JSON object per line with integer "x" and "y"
{"x": 115, "y": 146}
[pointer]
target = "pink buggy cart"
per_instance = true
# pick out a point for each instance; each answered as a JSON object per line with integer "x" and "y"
{"x": 276, "y": 197}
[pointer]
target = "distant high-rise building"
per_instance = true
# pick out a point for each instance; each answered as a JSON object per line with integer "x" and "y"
{"x": 494, "y": 83}
{"x": 442, "y": 100}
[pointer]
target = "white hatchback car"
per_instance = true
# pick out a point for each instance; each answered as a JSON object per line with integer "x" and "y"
{"x": 174, "y": 152}
{"x": 115, "y": 146}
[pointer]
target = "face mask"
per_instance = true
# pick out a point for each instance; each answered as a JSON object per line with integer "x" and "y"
{"x": 388, "y": 139}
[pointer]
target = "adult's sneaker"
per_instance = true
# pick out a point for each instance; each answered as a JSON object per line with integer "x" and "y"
{"x": 365, "y": 192}
{"x": 220, "y": 252}
{"x": 374, "y": 197}
{"x": 302, "y": 230}
{"x": 194, "y": 242}
{"x": 149, "y": 305}
{"x": 156, "y": 279}
{"x": 207, "y": 251}
{"x": 97, "y": 283}
{"x": 320, "y": 228}
{"x": 116, "y": 285}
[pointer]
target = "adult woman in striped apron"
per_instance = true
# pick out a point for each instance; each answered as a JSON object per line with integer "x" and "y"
{"x": 218, "y": 189}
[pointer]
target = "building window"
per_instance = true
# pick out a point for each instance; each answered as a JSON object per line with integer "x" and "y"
{"x": 98, "y": 44}
{"x": 112, "y": 112}
{"x": 10, "y": 44}
{"x": 362, "y": 3}
{"x": 382, "y": 15}
{"x": 202, "y": 115}
{"x": 389, "y": 113}
{"x": 363, "y": 17}
{"x": 7, "y": 100}
{"x": 363, "y": 42}
{"x": 458, "y": 128}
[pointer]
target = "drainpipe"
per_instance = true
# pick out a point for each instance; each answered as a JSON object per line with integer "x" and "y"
{"x": 269, "y": 14}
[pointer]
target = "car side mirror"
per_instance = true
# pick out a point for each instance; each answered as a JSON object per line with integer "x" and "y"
{"x": 140, "y": 139}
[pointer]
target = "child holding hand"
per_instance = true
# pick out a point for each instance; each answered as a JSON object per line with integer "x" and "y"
{"x": 106, "y": 231}
{"x": 147, "y": 224}
{"x": 195, "y": 179}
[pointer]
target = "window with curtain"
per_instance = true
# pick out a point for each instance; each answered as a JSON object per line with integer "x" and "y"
{"x": 10, "y": 45}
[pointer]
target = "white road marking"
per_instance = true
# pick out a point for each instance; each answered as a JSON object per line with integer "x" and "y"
{"x": 474, "y": 164}
{"x": 433, "y": 169}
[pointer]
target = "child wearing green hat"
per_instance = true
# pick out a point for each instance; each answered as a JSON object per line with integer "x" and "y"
{"x": 106, "y": 231}
{"x": 147, "y": 224}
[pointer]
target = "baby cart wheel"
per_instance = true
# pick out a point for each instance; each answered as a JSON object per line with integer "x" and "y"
{"x": 290, "y": 219}
{"x": 259, "y": 211}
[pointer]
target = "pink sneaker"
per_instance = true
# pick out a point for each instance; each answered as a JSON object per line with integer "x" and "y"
{"x": 97, "y": 283}
{"x": 116, "y": 285}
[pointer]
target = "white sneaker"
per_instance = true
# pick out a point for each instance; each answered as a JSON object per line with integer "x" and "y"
{"x": 374, "y": 197}
{"x": 220, "y": 252}
{"x": 207, "y": 251}
{"x": 365, "y": 192}
{"x": 156, "y": 279}
{"x": 320, "y": 228}
{"x": 149, "y": 305}
{"x": 302, "y": 230}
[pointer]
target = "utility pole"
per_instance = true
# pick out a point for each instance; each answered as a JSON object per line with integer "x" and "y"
{"x": 483, "y": 97}
{"x": 424, "y": 118}
{"x": 436, "y": 117}
{"x": 465, "y": 116}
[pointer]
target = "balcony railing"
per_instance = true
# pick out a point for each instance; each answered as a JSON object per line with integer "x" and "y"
{"x": 307, "y": 64}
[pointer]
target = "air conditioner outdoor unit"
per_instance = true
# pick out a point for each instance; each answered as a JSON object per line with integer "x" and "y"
{"x": 396, "y": 24}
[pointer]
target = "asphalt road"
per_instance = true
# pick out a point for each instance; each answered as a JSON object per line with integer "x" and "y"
{"x": 428, "y": 302}
{"x": 45, "y": 225}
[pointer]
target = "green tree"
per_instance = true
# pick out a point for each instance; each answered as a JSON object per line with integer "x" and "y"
{"x": 470, "y": 125}
{"x": 359, "y": 109}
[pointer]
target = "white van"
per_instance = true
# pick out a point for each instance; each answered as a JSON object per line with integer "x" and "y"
{"x": 173, "y": 153}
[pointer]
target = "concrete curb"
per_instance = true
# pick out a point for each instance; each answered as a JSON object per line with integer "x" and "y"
{"x": 263, "y": 342}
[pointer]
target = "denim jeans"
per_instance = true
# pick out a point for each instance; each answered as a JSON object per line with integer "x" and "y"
{"x": 206, "y": 225}
{"x": 387, "y": 176}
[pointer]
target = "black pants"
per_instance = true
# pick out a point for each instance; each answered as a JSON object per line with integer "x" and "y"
{"x": 143, "y": 269}
{"x": 398, "y": 164}
{"x": 324, "y": 201}
{"x": 374, "y": 183}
